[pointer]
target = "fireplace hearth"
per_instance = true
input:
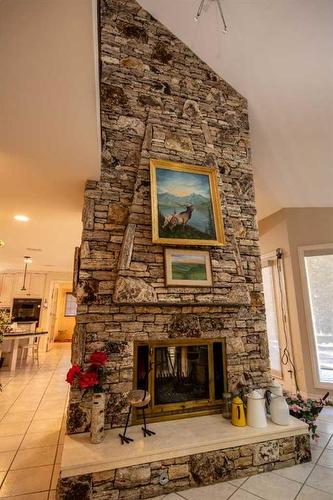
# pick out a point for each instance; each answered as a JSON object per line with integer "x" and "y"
{"x": 184, "y": 377}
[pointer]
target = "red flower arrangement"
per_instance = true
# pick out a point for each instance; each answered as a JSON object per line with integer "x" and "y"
{"x": 93, "y": 377}
{"x": 98, "y": 358}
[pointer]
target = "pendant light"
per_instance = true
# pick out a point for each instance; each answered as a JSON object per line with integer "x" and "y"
{"x": 27, "y": 260}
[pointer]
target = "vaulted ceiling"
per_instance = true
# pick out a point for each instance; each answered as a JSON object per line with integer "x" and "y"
{"x": 277, "y": 54}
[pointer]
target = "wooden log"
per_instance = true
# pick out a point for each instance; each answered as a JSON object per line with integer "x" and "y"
{"x": 125, "y": 256}
{"x": 97, "y": 418}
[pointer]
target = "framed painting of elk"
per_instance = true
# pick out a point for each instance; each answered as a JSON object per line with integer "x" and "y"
{"x": 185, "y": 204}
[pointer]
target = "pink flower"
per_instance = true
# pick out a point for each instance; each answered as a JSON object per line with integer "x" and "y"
{"x": 294, "y": 407}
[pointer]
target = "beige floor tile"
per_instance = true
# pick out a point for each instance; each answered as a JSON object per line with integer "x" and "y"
{"x": 47, "y": 414}
{"x": 34, "y": 457}
{"x": 326, "y": 413}
{"x": 10, "y": 443}
{"x": 59, "y": 453}
{"x": 243, "y": 495}
{"x": 32, "y": 480}
{"x": 55, "y": 477}
{"x": 220, "y": 491}
{"x": 322, "y": 440}
{"x": 52, "y": 495}
{"x": 18, "y": 407}
{"x": 325, "y": 426}
{"x": 308, "y": 493}
{"x": 297, "y": 473}
{"x": 270, "y": 486}
{"x": 238, "y": 482}
{"x": 171, "y": 496}
{"x": 6, "y": 458}
{"x": 43, "y": 495}
{"x": 316, "y": 451}
{"x": 321, "y": 478}
{"x": 330, "y": 444}
{"x": 49, "y": 425}
{"x": 326, "y": 458}
{"x": 39, "y": 440}
{"x": 13, "y": 429}
{"x": 22, "y": 416}
{"x": 2, "y": 477}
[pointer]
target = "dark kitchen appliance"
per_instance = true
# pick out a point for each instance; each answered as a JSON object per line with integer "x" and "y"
{"x": 26, "y": 310}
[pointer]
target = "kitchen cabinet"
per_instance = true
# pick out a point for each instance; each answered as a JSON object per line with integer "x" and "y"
{"x": 34, "y": 285}
{"x": 6, "y": 289}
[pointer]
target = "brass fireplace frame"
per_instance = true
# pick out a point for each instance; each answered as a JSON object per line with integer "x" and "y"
{"x": 170, "y": 411}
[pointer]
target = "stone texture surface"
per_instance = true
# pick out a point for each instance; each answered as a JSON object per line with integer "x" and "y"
{"x": 142, "y": 481}
{"x": 158, "y": 100}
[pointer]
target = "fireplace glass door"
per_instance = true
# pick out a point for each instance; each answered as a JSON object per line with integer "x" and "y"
{"x": 183, "y": 377}
{"x": 181, "y": 374}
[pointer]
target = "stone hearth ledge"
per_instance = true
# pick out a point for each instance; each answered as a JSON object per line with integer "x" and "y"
{"x": 174, "y": 439}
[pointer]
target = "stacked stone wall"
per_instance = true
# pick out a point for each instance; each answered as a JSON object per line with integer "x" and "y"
{"x": 160, "y": 101}
{"x": 143, "y": 481}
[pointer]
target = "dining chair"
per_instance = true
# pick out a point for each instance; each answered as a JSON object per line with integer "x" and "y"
{"x": 31, "y": 349}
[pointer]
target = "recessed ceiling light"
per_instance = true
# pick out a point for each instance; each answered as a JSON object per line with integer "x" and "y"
{"x": 21, "y": 218}
{"x": 34, "y": 249}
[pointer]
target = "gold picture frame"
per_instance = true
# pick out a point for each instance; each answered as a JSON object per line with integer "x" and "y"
{"x": 181, "y": 193}
{"x": 190, "y": 268}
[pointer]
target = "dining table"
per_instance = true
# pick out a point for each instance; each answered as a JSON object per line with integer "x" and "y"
{"x": 15, "y": 337}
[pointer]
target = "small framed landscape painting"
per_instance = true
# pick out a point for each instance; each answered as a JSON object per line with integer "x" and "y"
{"x": 185, "y": 204}
{"x": 187, "y": 267}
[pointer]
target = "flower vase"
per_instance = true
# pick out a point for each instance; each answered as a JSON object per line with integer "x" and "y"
{"x": 97, "y": 418}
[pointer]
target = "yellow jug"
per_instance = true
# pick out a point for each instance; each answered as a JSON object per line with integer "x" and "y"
{"x": 238, "y": 412}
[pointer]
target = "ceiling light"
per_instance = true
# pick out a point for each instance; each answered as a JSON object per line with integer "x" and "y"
{"x": 34, "y": 249}
{"x": 2, "y": 243}
{"x": 27, "y": 259}
{"x": 21, "y": 218}
{"x": 219, "y": 6}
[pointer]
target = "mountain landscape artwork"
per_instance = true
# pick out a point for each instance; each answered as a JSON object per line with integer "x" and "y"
{"x": 187, "y": 267}
{"x": 186, "y": 203}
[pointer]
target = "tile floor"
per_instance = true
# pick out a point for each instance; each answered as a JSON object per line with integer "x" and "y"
{"x": 32, "y": 408}
{"x": 32, "y": 405}
{"x": 311, "y": 481}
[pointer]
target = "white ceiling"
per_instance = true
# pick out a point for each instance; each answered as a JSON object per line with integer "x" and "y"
{"x": 278, "y": 54}
{"x": 48, "y": 128}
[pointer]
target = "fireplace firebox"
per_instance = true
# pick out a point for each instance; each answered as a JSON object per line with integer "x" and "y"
{"x": 184, "y": 377}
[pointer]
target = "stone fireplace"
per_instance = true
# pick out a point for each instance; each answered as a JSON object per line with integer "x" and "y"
{"x": 186, "y": 345}
{"x": 184, "y": 377}
{"x": 160, "y": 101}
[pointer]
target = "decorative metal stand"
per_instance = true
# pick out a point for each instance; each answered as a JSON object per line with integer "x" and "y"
{"x": 137, "y": 399}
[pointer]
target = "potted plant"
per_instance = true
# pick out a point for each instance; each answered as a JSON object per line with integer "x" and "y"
{"x": 307, "y": 410}
{"x": 4, "y": 328}
{"x": 92, "y": 379}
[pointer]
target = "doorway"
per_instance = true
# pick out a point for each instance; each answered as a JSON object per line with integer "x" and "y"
{"x": 62, "y": 313}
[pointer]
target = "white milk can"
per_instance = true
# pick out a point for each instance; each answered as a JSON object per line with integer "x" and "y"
{"x": 279, "y": 410}
{"x": 256, "y": 414}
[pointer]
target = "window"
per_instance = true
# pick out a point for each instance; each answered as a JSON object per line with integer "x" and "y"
{"x": 272, "y": 320}
{"x": 317, "y": 270}
{"x": 70, "y": 305}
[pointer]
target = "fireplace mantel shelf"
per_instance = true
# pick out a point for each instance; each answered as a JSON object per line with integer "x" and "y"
{"x": 174, "y": 438}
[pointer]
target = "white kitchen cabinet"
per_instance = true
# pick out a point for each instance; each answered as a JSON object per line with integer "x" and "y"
{"x": 34, "y": 285}
{"x": 37, "y": 285}
{"x": 6, "y": 289}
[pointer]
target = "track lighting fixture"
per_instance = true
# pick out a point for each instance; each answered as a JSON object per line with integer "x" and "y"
{"x": 219, "y": 6}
